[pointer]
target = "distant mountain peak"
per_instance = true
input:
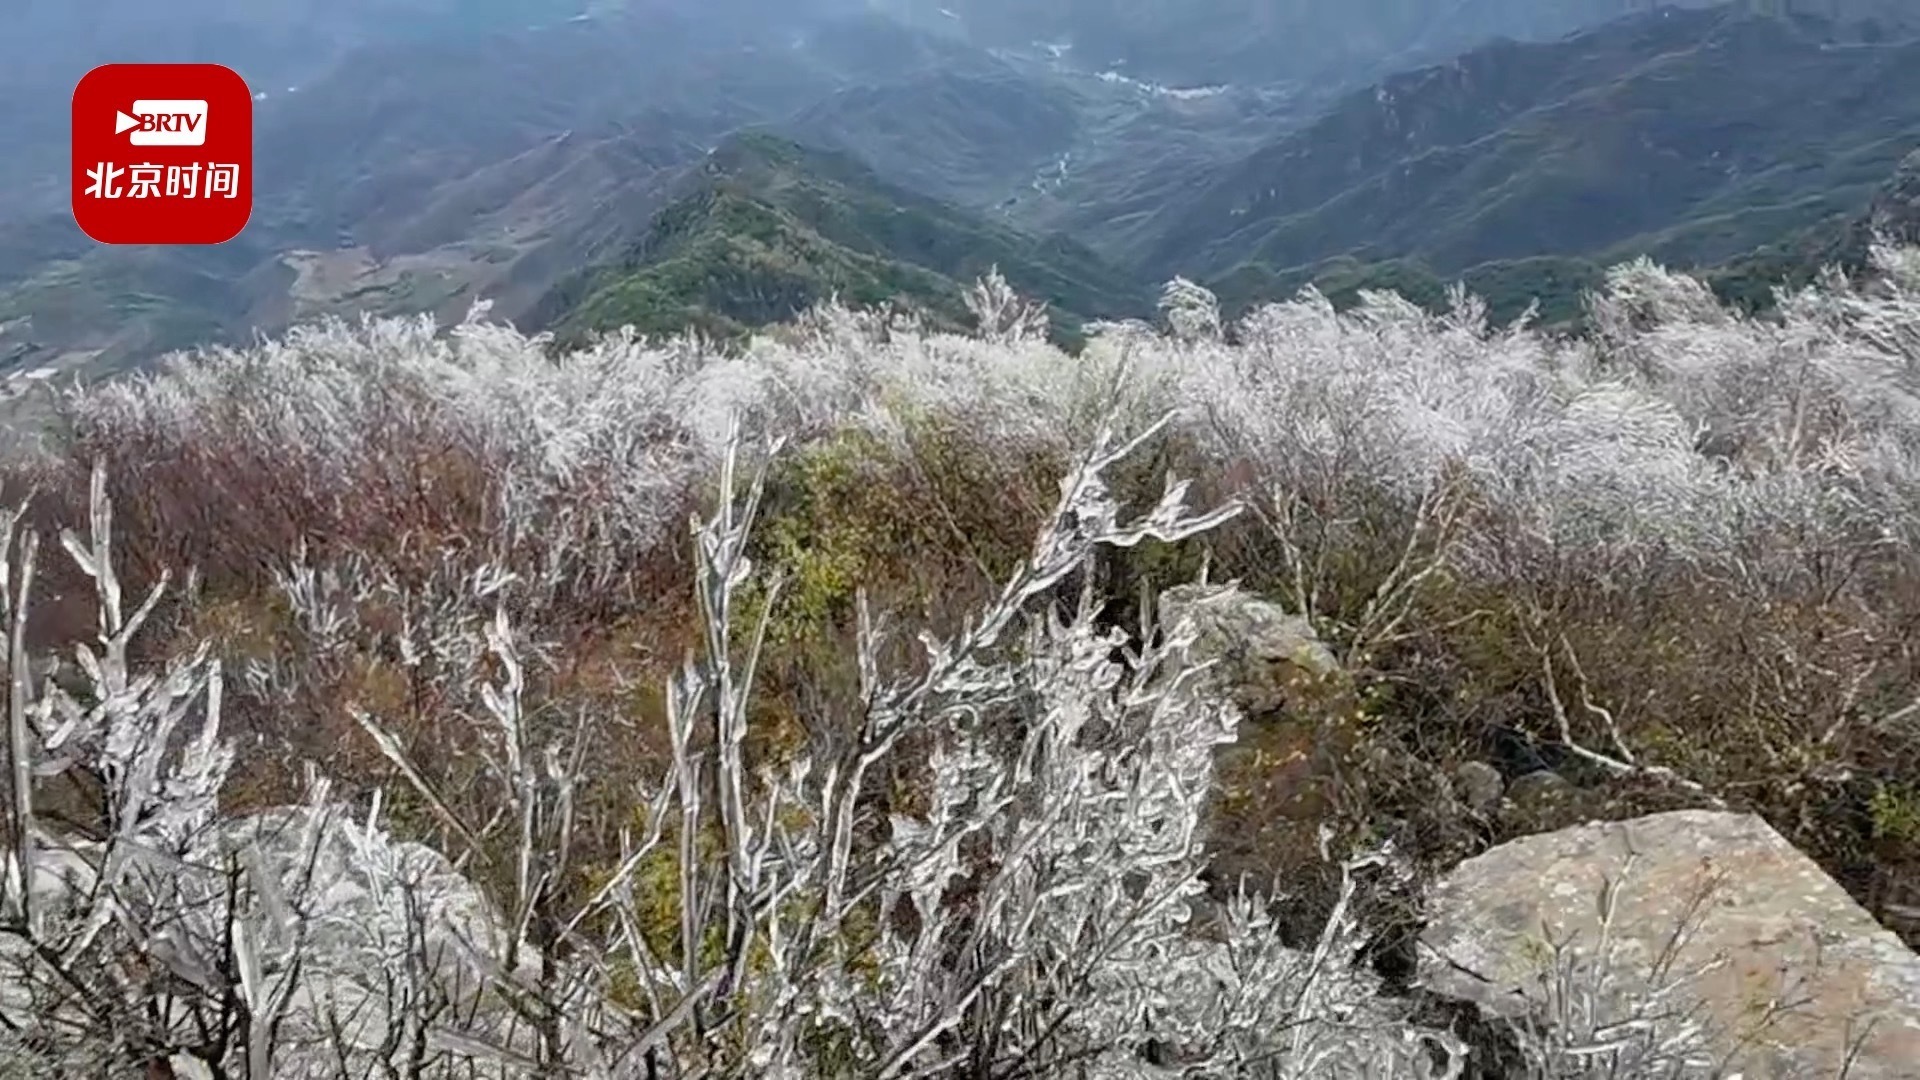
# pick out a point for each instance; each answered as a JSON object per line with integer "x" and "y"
{"x": 763, "y": 226}
{"x": 1693, "y": 136}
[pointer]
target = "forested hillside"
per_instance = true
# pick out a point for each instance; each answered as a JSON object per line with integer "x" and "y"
{"x": 521, "y": 165}
{"x": 1694, "y": 137}
{"x": 1215, "y": 41}
{"x": 766, "y": 229}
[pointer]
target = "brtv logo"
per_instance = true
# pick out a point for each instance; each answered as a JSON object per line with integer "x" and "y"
{"x": 162, "y": 154}
{"x": 164, "y": 123}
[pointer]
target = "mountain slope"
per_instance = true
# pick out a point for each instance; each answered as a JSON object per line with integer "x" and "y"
{"x": 1268, "y": 41}
{"x": 505, "y": 229}
{"x": 1556, "y": 286}
{"x": 1893, "y": 215}
{"x": 1046, "y": 147}
{"x": 765, "y": 227}
{"x": 1689, "y": 135}
{"x": 274, "y": 44}
{"x": 966, "y": 138}
{"x": 417, "y": 175}
{"x": 421, "y": 171}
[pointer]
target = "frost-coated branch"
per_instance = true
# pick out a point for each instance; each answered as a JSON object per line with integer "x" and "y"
{"x": 1031, "y": 906}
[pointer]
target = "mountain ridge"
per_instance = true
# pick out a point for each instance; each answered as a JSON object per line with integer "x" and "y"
{"x": 417, "y": 177}
{"x": 764, "y": 227}
{"x": 1304, "y": 42}
{"x": 1654, "y": 135}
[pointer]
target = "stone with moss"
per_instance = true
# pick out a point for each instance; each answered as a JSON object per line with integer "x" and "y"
{"x": 1262, "y": 654}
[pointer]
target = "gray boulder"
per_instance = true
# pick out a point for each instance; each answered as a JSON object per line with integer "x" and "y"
{"x": 1262, "y": 653}
{"x": 1538, "y": 790}
{"x": 1763, "y": 924}
{"x": 361, "y": 933}
{"x": 1478, "y": 784}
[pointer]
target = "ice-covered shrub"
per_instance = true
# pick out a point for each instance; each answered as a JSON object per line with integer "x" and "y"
{"x": 1036, "y": 912}
{"x": 1678, "y": 553}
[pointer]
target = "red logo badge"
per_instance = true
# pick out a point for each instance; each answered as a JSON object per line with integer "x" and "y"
{"x": 162, "y": 154}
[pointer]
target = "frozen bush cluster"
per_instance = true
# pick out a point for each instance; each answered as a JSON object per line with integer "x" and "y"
{"x": 1676, "y": 427}
{"x": 1034, "y": 908}
{"x": 1064, "y": 795}
{"x": 1594, "y": 439}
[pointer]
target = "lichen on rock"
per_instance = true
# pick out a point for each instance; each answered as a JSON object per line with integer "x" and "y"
{"x": 1709, "y": 912}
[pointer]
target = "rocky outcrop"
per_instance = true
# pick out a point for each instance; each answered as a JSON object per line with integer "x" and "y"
{"x": 1478, "y": 785}
{"x": 360, "y": 934}
{"x": 1276, "y": 781}
{"x": 1538, "y": 791}
{"x": 1261, "y": 653}
{"x": 1762, "y": 924}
